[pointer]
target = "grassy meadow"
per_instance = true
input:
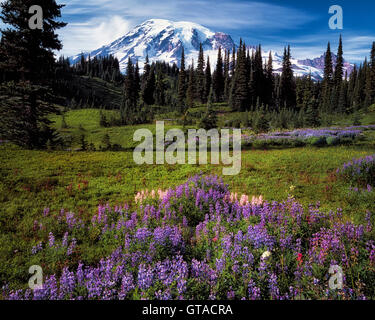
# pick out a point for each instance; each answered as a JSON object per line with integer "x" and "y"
{"x": 79, "y": 181}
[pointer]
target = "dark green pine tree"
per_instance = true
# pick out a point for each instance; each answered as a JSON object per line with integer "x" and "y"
{"x": 207, "y": 80}
{"x": 356, "y": 101}
{"x": 338, "y": 78}
{"x": 145, "y": 77}
{"x": 137, "y": 83}
{"x": 287, "y": 84}
{"x": 261, "y": 123}
{"x": 159, "y": 94}
{"x": 233, "y": 63}
{"x": 258, "y": 75}
{"x": 150, "y": 87}
{"x": 327, "y": 81}
{"x": 128, "y": 104}
{"x": 227, "y": 75}
{"x": 339, "y": 69}
{"x": 239, "y": 96}
{"x": 191, "y": 87}
{"x": 370, "y": 79}
{"x": 209, "y": 120}
{"x": 200, "y": 76}
{"x": 83, "y": 142}
{"x": 218, "y": 78}
{"x": 351, "y": 88}
{"x": 29, "y": 54}
{"x": 27, "y": 59}
{"x": 269, "y": 81}
{"x": 311, "y": 115}
{"x": 342, "y": 102}
{"x": 182, "y": 83}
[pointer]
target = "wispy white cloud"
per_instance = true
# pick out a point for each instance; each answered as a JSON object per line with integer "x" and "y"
{"x": 92, "y": 34}
{"x": 356, "y": 47}
{"x": 104, "y": 20}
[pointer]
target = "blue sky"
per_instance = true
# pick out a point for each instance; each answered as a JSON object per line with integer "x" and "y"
{"x": 302, "y": 24}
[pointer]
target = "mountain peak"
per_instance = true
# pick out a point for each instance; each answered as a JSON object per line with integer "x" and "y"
{"x": 163, "y": 40}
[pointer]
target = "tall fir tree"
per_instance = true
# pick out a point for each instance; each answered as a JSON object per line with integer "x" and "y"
{"x": 137, "y": 82}
{"x": 239, "y": 96}
{"x": 159, "y": 94}
{"x": 287, "y": 84}
{"x": 209, "y": 120}
{"x": 218, "y": 78}
{"x": 200, "y": 88}
{"x": 182, "y": 82}
{"x": 148, "y": 97}
{"x": 128, "y": 104}
{"x": 339, "y": 68}
{"x": 269, "y": 80}
{"x": 311, "y": 118}
{"x": 227, "y": 75}
{"x": 145, "y": 77}
{"x": 327, "y": 81}
{"x": 338, "y": 78}
{"x": 27, "y": 59}
{"x": 370, "y": 79}
{"x": 208, "y": 80}
{"x": 190, "y": 87}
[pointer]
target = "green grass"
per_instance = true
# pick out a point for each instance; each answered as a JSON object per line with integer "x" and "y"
{"x": 79, "y": 181}
{"x": 86, "y": 122}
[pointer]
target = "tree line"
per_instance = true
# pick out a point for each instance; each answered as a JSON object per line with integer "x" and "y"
{"x": 247, "y": 83}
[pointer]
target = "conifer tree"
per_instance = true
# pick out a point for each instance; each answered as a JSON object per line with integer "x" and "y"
{"x": 311, "y": 118}
{"x": 370, "y": 79}
{"x": 145, "y": 77}
{"x": 327, "y": 80}
{"x": 233, "y": 63}
{"x": 201, "y": 76}
{"x": 218, "y": 78}
{"x": 150, "y": 87}
{"x": 226, "y": 75}
{"x": 159, "y": 94}
{"x": 269, "y": 80}
{"x": 190, "y": 88}
{"x": 137, "y": 83}
{"x": 208, "y": 80}
{"x": 128, "y": 92}
{"x": 258, "y": 75}
{"x": 287, "y": 84}
{"x": 182, "y": 82}
{"x": 342, "y": 101}
{"x": 239, "y": 91}
{"x": 83, "y": 142}
{"x": 339, "y": 69}
{"x": 27, "y": 59}
{"x": 209, "y": 120}
{"x": 261, "y": 123}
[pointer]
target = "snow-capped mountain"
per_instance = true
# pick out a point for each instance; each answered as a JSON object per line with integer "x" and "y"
{"x": 163, "y": 40}
{"x": 318, "y": 63}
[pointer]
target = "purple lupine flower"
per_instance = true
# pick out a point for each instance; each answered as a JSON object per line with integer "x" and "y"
{"x": 45, "y": 212}
{"x": 231, "y": 294}
{"x": 254, "y": 291}
{"x": 145, "y": 277}
{"x": 51, "y": 240}
{"x": 65, "y": 239}
{"x": 37, "y": 248}
{"x": 71, "y": 247}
